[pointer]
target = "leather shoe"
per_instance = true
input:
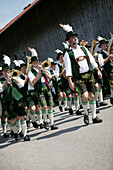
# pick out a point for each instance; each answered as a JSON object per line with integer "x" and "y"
{"x": 35, "y": 125}
{"x": 6, "y": 135}
{"x": 97, "y": 120}
{"x": 41, "y": 125}
{"x": 27, "y": 138}
{"x": 103, "y": 103}
{"x": 78, "y": 112}
{"x": 53, "y": 127}
{"x": 60, "y": 108}
{"x": 86, "y": 119}
{"x": 66, "y": 108}
{"x": 21, "y": 134}
{"x": 16, "y": 137}
{"x": 46, "y": 126}
{"x": 71, "y": 112}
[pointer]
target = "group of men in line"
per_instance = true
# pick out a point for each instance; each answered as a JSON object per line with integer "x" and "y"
{"x": 76, "y": 73}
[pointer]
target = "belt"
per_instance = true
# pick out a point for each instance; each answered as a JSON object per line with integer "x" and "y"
{"x": 31, "y": 91}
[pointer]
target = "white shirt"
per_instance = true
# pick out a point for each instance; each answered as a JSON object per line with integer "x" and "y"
{"x": 84, "y": 67}
{"x": 32, "y": 77}
{"x": 1, "y": 89}
{"x": 57, "y": 71}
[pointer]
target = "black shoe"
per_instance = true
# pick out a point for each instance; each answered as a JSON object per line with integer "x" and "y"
{"x": 46, "y": 126}
{"x": 53, "y": 127}
{"x": 35, "y": 125}
{"x": 78, "y": 112}
{"x": 28, "y": 123}
{"x": 111, "y": 100}
{"x": 27, "y": 138}
{"x": 6, "y": 135}
{"x": 86, "y": 119}
{"x": 97, "y": 111}
{"x": 41, "y": 126}
{"x": 66, "y": 108}
{"x": 71, "y": 112}
{"x": 60, "y": 108}
{"x": 81, "y": 107}
{"x": 97, "y": 120}
{"x": 16, "y": 137}
{"x": 103, "y": 103}
{"x": 97, "y": 104}
{"x": 21, "y": 134}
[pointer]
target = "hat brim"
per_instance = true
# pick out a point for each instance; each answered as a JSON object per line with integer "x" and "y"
{"x": 67, "y": 38}
{"x": 103, "y": 43}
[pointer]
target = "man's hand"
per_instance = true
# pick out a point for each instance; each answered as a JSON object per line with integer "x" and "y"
{"x": 99, "y": 74}
{"x": 71, "y": 84}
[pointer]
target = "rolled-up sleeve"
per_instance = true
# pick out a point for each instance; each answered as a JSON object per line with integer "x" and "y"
{"x": 67, "y": 62}
{"x": 1, "y": 89}
{"x": 57, "y": 70}
{"x": 21, "y": 82}
{"x": 100, "y": 60}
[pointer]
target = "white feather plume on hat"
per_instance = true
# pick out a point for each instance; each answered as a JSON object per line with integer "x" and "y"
{"x": 67, "y": 27}
{"x": 50, "y": 59}
{"x": 21, "y": 62}
{"x": 66, "y": 46}
{"x": 0, "y": 68}
{"x": 99, "y": 38}
{"x": 7, "y": 60}
{"x": 58, "y": 51}
{"x": 16, "y": 63}
{"x": 33, "y": 51}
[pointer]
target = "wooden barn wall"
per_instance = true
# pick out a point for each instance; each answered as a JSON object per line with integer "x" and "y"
{"x": 39, "y": 27}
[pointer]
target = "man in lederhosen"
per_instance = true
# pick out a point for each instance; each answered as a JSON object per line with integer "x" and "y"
{"x": 39, "y": 77}
{"x": 80, "y": 63}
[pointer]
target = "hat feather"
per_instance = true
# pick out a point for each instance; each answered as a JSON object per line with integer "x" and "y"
{"x": 99, "y": 38}
{"x": 0, "y": 68}
{"x": 21, "y": 62}
{"x": 50, "y": 59}
{"x": 58, "y": 51}
{"x": 7, "y": 60}
{"x": 66, "y": 46}
{"x": 16, "y": 63}
{"x": 66, "y": 28}
{"x": 33, "y": 51}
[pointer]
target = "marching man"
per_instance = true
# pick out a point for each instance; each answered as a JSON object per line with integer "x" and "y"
{"x": 79, "y": 69}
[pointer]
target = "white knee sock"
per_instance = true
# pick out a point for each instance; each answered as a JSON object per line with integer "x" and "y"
{"x": 96, "y": 94}
{"x": 50, "y": 114}
{"x": 32, "y": 115}
{"x": 76, "y": 102}
{"x": 24, "y": 127}
{"x": 44, "y": 115}
{"x": 39, "y": 114}
{"x": 4, "y": 125}
{"x": 92, "y": 105}
{"x": 65, "y": 102}
{"x": 18, "y": 126}
{"x": 100, "y": 95}
{"x": 13, "y": 127}
{"x": 85, "y": 107}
